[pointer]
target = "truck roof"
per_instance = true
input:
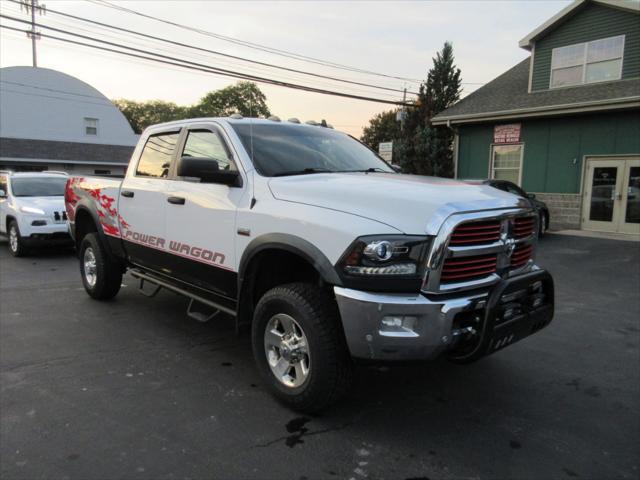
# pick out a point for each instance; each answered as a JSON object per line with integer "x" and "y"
{"x": 238, "y": 119}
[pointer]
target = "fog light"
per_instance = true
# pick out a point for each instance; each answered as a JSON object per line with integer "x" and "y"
{"x": 398, "y": 325}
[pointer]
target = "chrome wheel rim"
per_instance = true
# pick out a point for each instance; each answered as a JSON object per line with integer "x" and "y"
{"x": 13, "y": 239}
{"x": 90, "y": 268}
{"x": 287, "y": 350}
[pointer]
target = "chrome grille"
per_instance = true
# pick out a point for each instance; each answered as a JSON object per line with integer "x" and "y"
{"x": 473, "y": 250}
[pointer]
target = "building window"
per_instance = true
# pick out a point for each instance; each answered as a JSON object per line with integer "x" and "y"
{"x": 91, "y": 126}
{"x": 589, "y": 62}
{"x": 506, "y": 162}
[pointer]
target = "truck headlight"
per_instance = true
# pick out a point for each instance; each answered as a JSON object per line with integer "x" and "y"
{"x": 386, "y": 255}
{"x": 36, "y": 211}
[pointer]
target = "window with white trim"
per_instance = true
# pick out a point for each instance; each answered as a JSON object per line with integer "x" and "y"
{"x": 506, "y": 162}
{"x": 90, "y": 126}
{"x": 588, "y": 62}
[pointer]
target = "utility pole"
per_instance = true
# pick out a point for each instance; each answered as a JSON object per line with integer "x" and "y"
{"x": 31, "y": 6}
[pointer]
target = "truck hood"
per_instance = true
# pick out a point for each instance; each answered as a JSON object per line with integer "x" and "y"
{"x": 410, "y": 203}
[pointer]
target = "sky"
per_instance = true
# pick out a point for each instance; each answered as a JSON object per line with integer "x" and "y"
{"x": 394, "y": 38}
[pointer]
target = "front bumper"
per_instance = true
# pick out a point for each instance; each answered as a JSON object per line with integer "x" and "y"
{"x": 52, "y": 233}
{"x": 441, "y": 324}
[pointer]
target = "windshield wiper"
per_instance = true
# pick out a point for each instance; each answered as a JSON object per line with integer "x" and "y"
{"x": 367, "y": 170}
{"x": 304, "y": 171}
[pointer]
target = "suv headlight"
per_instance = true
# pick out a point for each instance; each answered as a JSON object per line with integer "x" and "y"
{"x": 386, "y": 256}
{"x": 33, "y": 210}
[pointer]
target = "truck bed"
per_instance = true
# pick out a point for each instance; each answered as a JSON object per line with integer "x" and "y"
{"x": 100, "y": 196}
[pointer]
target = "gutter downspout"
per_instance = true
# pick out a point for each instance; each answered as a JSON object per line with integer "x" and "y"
{"x": 456, "y": 142}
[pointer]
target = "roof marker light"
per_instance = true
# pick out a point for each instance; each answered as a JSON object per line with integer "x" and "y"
{"x": 293, "y": 120}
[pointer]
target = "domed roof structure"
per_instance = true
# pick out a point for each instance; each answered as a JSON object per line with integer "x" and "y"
{"x": 51, "y": 120}
{"x": 44, "y": 104}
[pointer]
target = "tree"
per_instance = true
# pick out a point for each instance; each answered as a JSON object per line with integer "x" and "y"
{"x": 421, "y": 147}
{"x": 243, "y": 97}
{"x": 382, "y": 128}
{"x": 142, "y": 114}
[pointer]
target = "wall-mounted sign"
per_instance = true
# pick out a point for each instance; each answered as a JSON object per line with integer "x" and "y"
{"x": 508, "y": 133}
{"x": 385, "y": 150}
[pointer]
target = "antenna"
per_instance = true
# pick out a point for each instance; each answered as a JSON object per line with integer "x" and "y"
{"x": 253, "y": 172}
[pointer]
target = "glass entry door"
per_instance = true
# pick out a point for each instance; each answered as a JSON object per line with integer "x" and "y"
{"x": 611, "y": 200}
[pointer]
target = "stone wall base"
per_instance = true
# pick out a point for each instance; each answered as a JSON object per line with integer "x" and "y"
{"x": 564, "y": 209}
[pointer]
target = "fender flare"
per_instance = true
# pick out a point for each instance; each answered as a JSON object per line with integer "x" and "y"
{"x": 85, "y": 206}
{"x": 292, "y": 244}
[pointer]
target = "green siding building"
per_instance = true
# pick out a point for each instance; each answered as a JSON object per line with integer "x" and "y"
{"x": 565, "y": 122}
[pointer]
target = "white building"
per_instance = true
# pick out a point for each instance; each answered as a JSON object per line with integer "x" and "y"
{"x": 52, "y": 121}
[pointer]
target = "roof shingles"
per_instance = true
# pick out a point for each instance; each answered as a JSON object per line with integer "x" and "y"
{"x": 509, "y": 92}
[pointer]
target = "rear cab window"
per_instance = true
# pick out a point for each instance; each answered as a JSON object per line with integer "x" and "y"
{"x": 155, "y": 160}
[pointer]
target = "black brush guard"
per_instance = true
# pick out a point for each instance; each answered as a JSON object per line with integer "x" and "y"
{"x": 516, "y": 308}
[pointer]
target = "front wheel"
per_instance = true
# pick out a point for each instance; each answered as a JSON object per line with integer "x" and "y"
{"x": 16, "y": 243}
{"x": 299, "y": 347}
{"x": 101, "y": 276}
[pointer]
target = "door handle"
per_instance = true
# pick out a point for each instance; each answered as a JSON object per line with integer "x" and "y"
{"x": 176, "y": 200}
{"x": 127, "y": 193}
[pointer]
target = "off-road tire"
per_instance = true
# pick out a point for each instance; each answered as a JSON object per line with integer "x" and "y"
{"x": 331, "y": 369}
{"x": 108, "y": 272}
{"x": 18, "y": 249}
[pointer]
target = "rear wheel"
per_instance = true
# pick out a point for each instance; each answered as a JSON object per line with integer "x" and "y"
{"x": 101, "y": 276}
{"x": 16, "y": 243}
{"x": 299, "y": 347}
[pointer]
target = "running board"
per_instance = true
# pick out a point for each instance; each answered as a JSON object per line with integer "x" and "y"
{"x": 143, "y": 277}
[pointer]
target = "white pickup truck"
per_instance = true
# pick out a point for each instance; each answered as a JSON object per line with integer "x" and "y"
{"x": 314, "y": 241}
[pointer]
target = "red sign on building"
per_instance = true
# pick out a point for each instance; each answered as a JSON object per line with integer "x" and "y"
{"x": 509, "y": 133}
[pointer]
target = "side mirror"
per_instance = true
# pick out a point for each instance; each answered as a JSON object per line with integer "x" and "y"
{"x": 531, "y": 196}
{"x": 396, "y": 168}
{"x": 3, "y": 194}
{"x": 207, "y": 170}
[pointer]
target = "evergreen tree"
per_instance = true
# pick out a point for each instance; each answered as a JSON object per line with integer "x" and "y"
{"x": 422, "y": 148}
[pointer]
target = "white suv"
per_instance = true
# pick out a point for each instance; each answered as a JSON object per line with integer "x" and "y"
{"x": 32, "y": 210}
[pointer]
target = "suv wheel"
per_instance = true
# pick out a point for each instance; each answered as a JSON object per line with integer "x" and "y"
{"x": 16, "y": 244}
{"x": 543, "y": 224}
{"x": 101, "y": 276}
{"x": 299, "y": 347}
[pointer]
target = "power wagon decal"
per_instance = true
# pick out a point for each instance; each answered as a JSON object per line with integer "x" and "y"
{"x": 192, "y": 252}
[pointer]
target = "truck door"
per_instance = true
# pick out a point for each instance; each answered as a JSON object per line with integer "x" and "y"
{"x": 201, "y": 217}
{"x": 142, "y": 202}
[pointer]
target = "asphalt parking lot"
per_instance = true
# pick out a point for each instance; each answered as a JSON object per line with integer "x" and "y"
{"x": 134, "y": 389}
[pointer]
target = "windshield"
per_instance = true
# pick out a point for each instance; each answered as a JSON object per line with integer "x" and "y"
{"x": 38, "y": 186}
{"x": 282, "y": 149}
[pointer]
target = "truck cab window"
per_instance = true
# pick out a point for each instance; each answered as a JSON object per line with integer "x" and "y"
{"x": 208, "y": 144}
{"x": 155, "y": 160}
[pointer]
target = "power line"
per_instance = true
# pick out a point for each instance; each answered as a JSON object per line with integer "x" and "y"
{"x": 191, "y": 65}
{"x": 193, "y": 47}
{"x": 255, "y": 46}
